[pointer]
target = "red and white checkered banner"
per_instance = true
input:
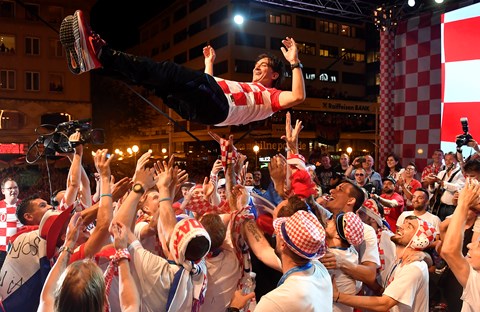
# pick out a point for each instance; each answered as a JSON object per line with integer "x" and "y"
{"x": 417, "y": 90}
{"x": 386, "y": 95}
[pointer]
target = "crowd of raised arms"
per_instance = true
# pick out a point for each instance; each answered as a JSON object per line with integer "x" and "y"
{"x": 313, "y": 236}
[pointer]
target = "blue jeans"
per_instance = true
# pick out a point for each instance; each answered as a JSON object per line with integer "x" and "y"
{"x": 192, "y": 94}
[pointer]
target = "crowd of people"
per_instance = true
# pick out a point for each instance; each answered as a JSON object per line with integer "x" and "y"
{"x": 318, "y": 236}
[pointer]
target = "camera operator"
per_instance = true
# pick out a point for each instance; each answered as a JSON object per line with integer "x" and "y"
{"x": 471, "y": 143}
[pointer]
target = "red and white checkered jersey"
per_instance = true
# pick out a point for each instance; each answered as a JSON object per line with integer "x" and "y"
{"x": 8, "y": 223}
{"x": 249, "y": 101}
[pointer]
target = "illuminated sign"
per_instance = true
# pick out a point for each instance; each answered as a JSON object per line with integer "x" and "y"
{"x": 12, "y": 148}
{"x": 327, "y": 77}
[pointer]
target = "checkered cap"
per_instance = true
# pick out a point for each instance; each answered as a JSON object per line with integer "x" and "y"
{"x": 303, "y": 234}
{"x": 424, "y": 235}
{"x": 297, "y": 160}
{"x": 350, "y": 228}
{"x": 370, "y": 208}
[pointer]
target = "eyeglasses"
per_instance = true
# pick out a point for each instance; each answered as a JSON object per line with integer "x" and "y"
{"x": 359, "y": 174}
{"x": 11, "y": 188}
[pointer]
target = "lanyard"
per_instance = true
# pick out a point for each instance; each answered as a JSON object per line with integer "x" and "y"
{"x": 389, "y": 276}
{"x": 294, "y": 270}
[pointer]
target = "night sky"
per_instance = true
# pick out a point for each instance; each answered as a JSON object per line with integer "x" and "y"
{"x": 117, "y": 21}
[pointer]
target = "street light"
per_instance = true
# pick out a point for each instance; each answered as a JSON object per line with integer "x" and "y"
{"x": 349, "y": 150}
{"x": 135, "y": 151}
{"x": 256, "y": 148}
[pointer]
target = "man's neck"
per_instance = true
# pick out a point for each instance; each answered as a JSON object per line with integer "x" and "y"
{"x": 403, "y": 252}
{"x": 11, "y": 201}
{"x": 288, "y": 264}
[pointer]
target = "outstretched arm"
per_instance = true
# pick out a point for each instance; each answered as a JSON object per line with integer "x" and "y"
{"x": 47, "y": 298}
{"x": 298, "y": 94}
{"x": 452, "y": 245}
{"x": 209, "y": 55}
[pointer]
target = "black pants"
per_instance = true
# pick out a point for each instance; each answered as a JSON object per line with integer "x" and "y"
{"x": 192, "y": 94}
{"x": 445, "y": 210}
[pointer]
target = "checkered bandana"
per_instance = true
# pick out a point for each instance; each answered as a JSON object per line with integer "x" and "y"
{"x": 370, "y": 208}
{"x": 424, "y": 235}
{"x": 350, "y": 228}
{"x": 303, "y": 234}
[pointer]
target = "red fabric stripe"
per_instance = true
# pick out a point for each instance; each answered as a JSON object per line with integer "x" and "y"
{"x": 246, "y": 87}
{"x": 465, "y": 35}
{"x": 451, "y": 127}
{"x": 240, "y": 99}
{"x": 224, "y": 86}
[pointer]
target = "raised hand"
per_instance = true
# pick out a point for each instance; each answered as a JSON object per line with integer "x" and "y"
{"x": 102, "y": 163}
{"x": 290, "y": 51}
{"x": 291, "y": 134}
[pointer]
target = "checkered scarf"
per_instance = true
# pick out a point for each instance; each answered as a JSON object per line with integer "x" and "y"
{"x": 200, "y": 205}
{"x": 241, "y": 246}
{"x": 226, "y": 156}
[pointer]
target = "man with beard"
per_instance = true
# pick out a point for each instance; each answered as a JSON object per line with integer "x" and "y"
{"x": 420, "y": 207}
{"x": 405, "y": 283}
{"x": 392, "y": 202}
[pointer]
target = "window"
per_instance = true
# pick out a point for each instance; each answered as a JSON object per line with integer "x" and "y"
{"x": 7, "y": 44}
{"x": 249, "y": 40}
{"x": 352, "y": 78}
{"x": 196, "y": 51}
{"x": 180, "y": 36}
{"x": 373, "y": 56}
{"x": 328, "y": 27}
{"x": 195, "y": 4}
{"x": 348, "y": 31}
{"x": 306, "y": 23}
{"x": 257, "y": 14}
{"x": 55, "y": 82}
{"x": 54, "y": 118}
{"x": 328, "y": 76}
{"x": 31, "y": 12}
{"x": 55, "y": 14}
{"x": 309, "y": 73}
{"x": 276, "y": 43}
{"x": 220, "y": 68}
{"x": 218, "y": 16}
{"x": 197, "y": 27}
{"x": 354, "y": 56}
{"x": 328, "y": 51}
{"x": 32, "y": 81}
{"x": 7, "y": 79}
{"x": 55, "y": 48}
{"x": 11, "y": 119}
{"x": 244, "y": 67}
{"x": 282, "y": 19}
{"x": 220, "y": 41}
{"x": 180, "y": 13}
{"x": 306, "y": 48}
{"x": 32, "y": 46}
{"x": 180, "y": 58}
{"x": 7, "y": 9}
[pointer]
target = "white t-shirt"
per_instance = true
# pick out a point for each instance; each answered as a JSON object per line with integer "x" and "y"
{"x": 471, "y": 292}
{"x": 409, "y": 287}
{"x": 312, "y": 293}
{"x": 223, "y": 273}
{"x": 388, "y": 257}
{"x": 368, "y": 250}
{"x": 150, "y": 243}
{"x": 345, "y": 283}
{"x": 427, "y": 216}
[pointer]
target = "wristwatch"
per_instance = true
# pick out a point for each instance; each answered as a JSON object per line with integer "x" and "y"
{"x": 138, "y": 188}
{"x": 295, "y": 65}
